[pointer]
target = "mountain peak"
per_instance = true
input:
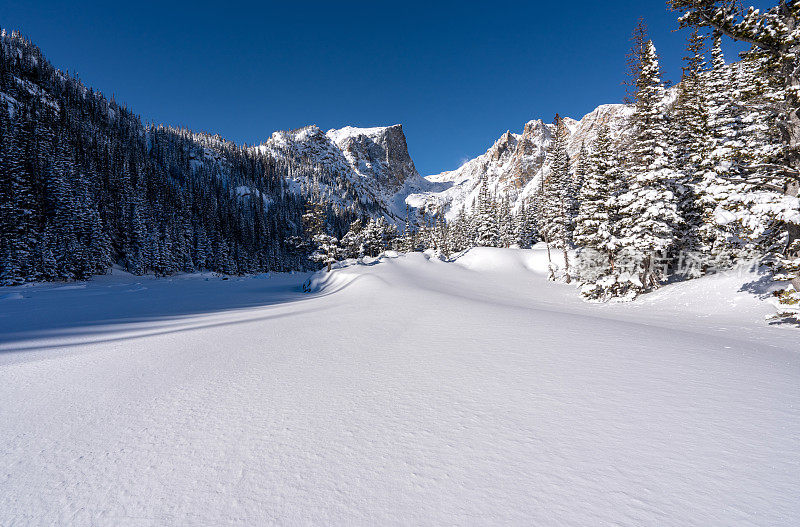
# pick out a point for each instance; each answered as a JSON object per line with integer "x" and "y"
{"x": 338, "y": 135}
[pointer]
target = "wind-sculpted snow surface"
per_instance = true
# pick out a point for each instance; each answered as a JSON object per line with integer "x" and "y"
{"x": 406, "y": 390}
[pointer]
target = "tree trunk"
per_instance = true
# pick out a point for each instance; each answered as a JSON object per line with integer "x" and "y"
{"x": 549, "y": 262}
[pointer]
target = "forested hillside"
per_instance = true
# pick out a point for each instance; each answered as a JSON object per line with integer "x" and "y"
{"x": 85, "y": 184}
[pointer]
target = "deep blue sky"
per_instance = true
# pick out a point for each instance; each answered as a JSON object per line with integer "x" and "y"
{"x": 455, "y": 74}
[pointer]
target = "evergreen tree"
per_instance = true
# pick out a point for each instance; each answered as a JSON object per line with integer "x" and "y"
{"x": 596, "y": 222}
{"x": 487, "y": 229}
{"x": 352, "y": 241}
{"x": 507, "y": 232}
{"x": 555, "y": 224}
{"x": 648, "y": 210}
{"x": 775, "y": 37}
{"x": 327, "y": 250}
{"x": 692, "y": 138}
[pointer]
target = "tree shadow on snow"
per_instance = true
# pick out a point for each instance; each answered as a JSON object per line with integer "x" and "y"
{"x": 108, "y": 310}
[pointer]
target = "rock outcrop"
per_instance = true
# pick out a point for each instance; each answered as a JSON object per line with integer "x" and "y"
{"x": 514, "y": 165}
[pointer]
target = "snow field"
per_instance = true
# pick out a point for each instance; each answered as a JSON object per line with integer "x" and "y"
{"x": 404, "y": 391}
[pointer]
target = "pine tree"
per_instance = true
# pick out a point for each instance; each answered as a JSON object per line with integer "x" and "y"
{"x": 488, "y": 233}
{"x": 507, "y": 232}
{"x": 638, "y": 41}
{"x": 374, "y": 234}
{"x": 441, "y": 236}
{"x": 648, "y": 210}
{"x": 555, "y": 224}
{"x": 459, "y": 233}
{"x": 327, "y": 250}
{"x": 692, "y": 138}
{"x": 775, "y": 37}
{"x": 596, "y": 221}
{"x": 406, "y": 243}
{"x": 352, "y": 242}
{"x": 522, "y": 226}
{"x": 717, "y": 237}
{"x": 578, "y": 179}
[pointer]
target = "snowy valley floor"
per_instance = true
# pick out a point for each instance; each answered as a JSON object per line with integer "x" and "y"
{"x": 409, "y": 391}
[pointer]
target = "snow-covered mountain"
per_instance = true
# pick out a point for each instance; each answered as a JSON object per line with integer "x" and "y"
{"x": 372, "y": 166}
{"x": 369, "y": 165}
{"x": 514, "y": 164}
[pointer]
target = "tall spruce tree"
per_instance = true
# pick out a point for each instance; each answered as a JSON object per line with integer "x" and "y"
{"x": 691, "y": 140}
{"x": 775, "y": 37}
{"x": 597, "y": 220}
{"x": 488, "y": 232}
{"x": 648, "y": 210}
{"x": 555, "y": 223}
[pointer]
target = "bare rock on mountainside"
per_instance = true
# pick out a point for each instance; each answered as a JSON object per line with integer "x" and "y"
{"x": 370, "y": 166}
{"x": 514, "y": 165}
{"x": 380, "y": 153}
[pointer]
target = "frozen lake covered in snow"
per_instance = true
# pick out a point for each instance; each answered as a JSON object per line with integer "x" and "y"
{"x": 408, "y": 391}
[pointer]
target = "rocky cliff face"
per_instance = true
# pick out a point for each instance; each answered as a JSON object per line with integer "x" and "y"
{"x": 514, "y": 165}
{"x": 377, "y": 153}
{"x": 368, "y": 168}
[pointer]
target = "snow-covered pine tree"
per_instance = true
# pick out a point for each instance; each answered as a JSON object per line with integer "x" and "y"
{"x": 440, "y": 232}
{"x": 522, "y": 226}
{"x": 351, "y": 242}
{"x": 633, "y": 59}
{"x": 596, "y": 222}
{"x": 578, "y": 179}
{"x": 691, "y": 135}
{"x": 555, "y": 225}
{"x": 761, "y": 211}
{"x": 374, "y": 242}
{"x": 459, "y": 234}
{"x": 506, "y": 225}
{"x": 422, "y": 238}
{"x": 314, "y": 218}
{"x": 406, "y": 242}
{"x": 648, "y": 210}
{"x": 327, "y": 250}
{"x": 716, "y": 233}
{"x": 775, "y": 37}
{"x": 488, "y": 233}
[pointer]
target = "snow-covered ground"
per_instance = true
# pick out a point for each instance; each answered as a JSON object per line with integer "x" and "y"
{"x": 408, "y": 391}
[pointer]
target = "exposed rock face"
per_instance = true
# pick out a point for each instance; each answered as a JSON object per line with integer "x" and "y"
{"x": 514, "y": 165}
{"x": 380, "y": 153}
{"x": 367, "y": 168}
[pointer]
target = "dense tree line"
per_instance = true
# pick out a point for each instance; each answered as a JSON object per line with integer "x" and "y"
{"x": 85, "y": 185}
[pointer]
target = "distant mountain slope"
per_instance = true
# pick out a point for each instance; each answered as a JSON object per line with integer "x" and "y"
{"x": 514, "y": 165}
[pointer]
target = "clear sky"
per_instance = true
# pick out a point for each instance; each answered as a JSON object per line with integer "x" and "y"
{"x": 455, "y": 74}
